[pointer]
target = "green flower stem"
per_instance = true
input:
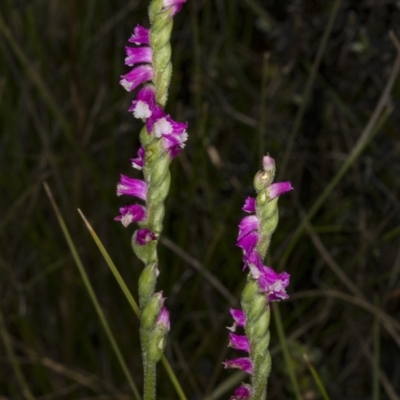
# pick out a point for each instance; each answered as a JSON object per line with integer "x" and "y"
{"x": 267, "y": 212}
{"x": 158, "y": 178}
{"x": 160, "y": 34}
{"x": 254, "y": 302}
{"x": 150, "y": 381}
{"x": 257, "y": 330}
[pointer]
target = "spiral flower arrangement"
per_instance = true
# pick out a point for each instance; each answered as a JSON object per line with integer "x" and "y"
{"x": 162, "y": 139}
{"x": 263, "y": 286}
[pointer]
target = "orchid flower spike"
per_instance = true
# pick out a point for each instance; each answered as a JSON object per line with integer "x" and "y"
{"x": 264, "y": 285}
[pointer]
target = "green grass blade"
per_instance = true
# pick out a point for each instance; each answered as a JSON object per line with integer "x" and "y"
{"x": 227, "y": 385}
{"x": 285, "y": 350}
{"x": 130, "y": 299}
{"x": 14, "y": 362}
{"x": 316, "y": 377}
{"x": 92, "y": 294}
{"x": 112, "y": 266}
{"x": 50, "y": 101}
{"x": 309, "y": 85}
{"x": 381, "y": 113}
{"x": 357, "y": 150}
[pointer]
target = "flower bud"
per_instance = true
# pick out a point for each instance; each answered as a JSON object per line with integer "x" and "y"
{"x": 157, "y": 340}
{"x": 144, "y": 244}
{"x": 268, "y": 164}
{"x": 151, "y": 311}
{"x": 263, "y": 179}
{"x": 163, "y": 319}
{"x": 242, "y": 393}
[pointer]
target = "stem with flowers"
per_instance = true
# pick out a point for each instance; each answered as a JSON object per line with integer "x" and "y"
{"x": 162, "y": 139}
{"x": 263, "y": 286}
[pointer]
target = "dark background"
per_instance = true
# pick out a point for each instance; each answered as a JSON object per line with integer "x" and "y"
{"x": 243, "y": 79}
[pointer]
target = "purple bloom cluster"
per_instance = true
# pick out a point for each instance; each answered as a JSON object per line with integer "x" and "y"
{"x": 270, "y": 282}
{"x": 144, "y": 106}
{"x": 239, "y": 342}
{"x": 136, "y": 188}
{"x": 173, "y": 134}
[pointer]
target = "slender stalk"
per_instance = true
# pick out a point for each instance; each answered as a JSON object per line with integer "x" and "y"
{"x": 157, "y": 178}
{"x": 150, "y": 381}
{"x": 257, "y": 330}
{"x": 131, "y": 300}
{"x": 92, "y": 293}
{"x": 317, "y": 379}
{"x": 263, "y": 286}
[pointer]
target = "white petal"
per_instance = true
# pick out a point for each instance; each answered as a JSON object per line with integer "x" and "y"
{"x": 255, "y": 272}
{"x": 162, "y": 126}
{"x": 137, "y": 166}
{"x": 126, "y": 219}
{"x": 142, "y": 110}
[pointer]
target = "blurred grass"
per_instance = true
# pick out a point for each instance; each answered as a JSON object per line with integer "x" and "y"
{"x": 92, "y": 294}
{"x": 241, "y": 69}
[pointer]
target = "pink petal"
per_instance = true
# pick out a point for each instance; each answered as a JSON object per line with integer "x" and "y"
{"x": 239, "y": 342}
{"x": 243, "y": 363}
{"x": 138, "y": 162}
{"x": 136, "y": 55}
{"x": 140, "y": 35}
{"x": 250, "y": 205}
{"x": 163, "y": 318}
{"x": 239, "y": 316}
{"x": 137, "y": 76}
{"x": 279, "y": 188}
{"x": 247, "y": 225}
{"x": 248, "y": 242}
{"x": 129, "y": 214}
{"x": 273, "y": 284}
{"x": 144, "y": 236}
{"x": 132, "y": 187}
{"x": 254, "y": 259}
{"x": 268, "y": 163}
{"x": 176, "y": 5}
{"x": 242, "y": 393}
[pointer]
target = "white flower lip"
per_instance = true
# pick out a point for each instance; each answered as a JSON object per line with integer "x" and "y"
{"x": 162, "y": 126}
{"x": 142, "y": 110}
